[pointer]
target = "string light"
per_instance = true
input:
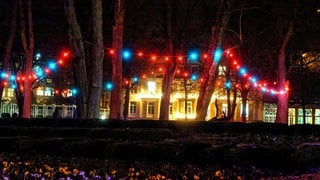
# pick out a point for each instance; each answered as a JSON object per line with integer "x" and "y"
{"x": 194, "y": 56}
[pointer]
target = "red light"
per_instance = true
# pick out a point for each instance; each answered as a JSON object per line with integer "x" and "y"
{"x": 166, "y": 58}
{"x": 66, "y": 54}
{"x": 205, "y": 56}
{"x": 153, "y": 57}
{"x": 186, "y": 74}
{"x": 111, "y": 51}
{"x": 140, "y": 54}
{"x": 180, "y": 58}
{"x": 60, "y": 61}
{"x": 144, "y": 76}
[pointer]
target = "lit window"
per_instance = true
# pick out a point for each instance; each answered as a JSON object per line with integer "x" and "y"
{"x": 189, "y": 107}
{"x": 151, "y": 108}
{"x": 40, "y": 91}
{"x": 151, "y": 87}
{"x": 10, "y": 92}
{"x": 222, "y": 70}
{"x": 134, "y": 90}
{"x": 133, "y": 108}
{"x": 170, "y": 109}
{"x": 48, "y": 91}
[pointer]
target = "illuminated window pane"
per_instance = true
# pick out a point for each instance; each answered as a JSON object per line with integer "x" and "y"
{"x": 317, "y": 116}
{"x": 48, "y": 91}
{"x": 151, "y": 87}
{"x": 133, "y": 108}
{"x": 40, "y": 92}
{"x": 10, "y": 92}
{"x": 151, "y": 108}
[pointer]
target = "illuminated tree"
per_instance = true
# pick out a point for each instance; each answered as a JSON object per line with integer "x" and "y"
{"x": 28, "y": 46}
{"x": 117, "y": 44}
{"x": 211, "y": 71}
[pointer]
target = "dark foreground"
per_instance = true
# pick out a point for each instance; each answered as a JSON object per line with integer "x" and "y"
{"x": 53, "y": 149}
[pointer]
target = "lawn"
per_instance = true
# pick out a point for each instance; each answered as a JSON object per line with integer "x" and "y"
{"x": 157, "y": 149}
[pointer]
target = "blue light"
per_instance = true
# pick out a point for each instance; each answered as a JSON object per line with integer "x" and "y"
{"x": 3, "y": 75}
{"x": 109, "y": 86}
{"x": 126, "y": 54}
{"x": 242, "y": 71}
{"x": 194, "y": 77}
{"x": 254, "y": 80}
{"x": 13, "y": 86}
{"x": 263, "y": 89}
{"x": 74, "y": 91}
{"x": 12, "y": 78}
{"x": 194, "y": 56}
{"x": 52, "y": 65}
{"x": 228, "y": 84}
{"x": 217, "y": 55}
{"x": 135, "y": 79}
{"x": 38, "y": 56}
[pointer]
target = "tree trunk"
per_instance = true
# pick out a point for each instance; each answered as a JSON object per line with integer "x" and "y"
{"x": 77, "y": 49}
{"x": 170, "y": 69}
{"x": 283, "y": 97}
{"x": 97, "y": 61}
{"x": 117, "y": 44}
{"x": 28, "y": 46}
{"x": 244, "y": 98}
{"x": 210, "y": 74}
{"x": 166, "y": 90}
{"x": 126, "y": 103}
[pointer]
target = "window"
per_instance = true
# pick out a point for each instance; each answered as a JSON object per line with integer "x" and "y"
{"x": 104, "y": 100}
{"x": 134, "y": 90}
{"x": 40, "y": 91}
{"x": 189, "y": 107}
{"x": 150, "y": 108}
{"x": 10, "y": 92}
{"x": 48, "y": 91}
{"x": 170, "y": 109}
{"x": 308, "y": 116}
{"x": 133, "y": 108}
{"x": 270, "y": 111}
{"x": 317, "y": 116}
{"x": 151, "y": 87}
{"x": 222, "y": 70}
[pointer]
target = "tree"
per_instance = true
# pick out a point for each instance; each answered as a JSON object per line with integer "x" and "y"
{"x": 117, "y": 44}
{"x": 97, "y": 61}
{"x": 78, "y": 53}
{"x": 28, "y": 46}
{"x": 210, "y": 73}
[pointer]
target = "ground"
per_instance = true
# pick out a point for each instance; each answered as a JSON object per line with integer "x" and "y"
{"x": 150, "y": 149}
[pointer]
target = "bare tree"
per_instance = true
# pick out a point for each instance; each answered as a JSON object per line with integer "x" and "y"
{"x": 210, "y": 73}
{"x": 97, "y": 61}
{"x": 117, "y": 44}
{"x": 77, "y": 49}
{"x": 28, "y": 46}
